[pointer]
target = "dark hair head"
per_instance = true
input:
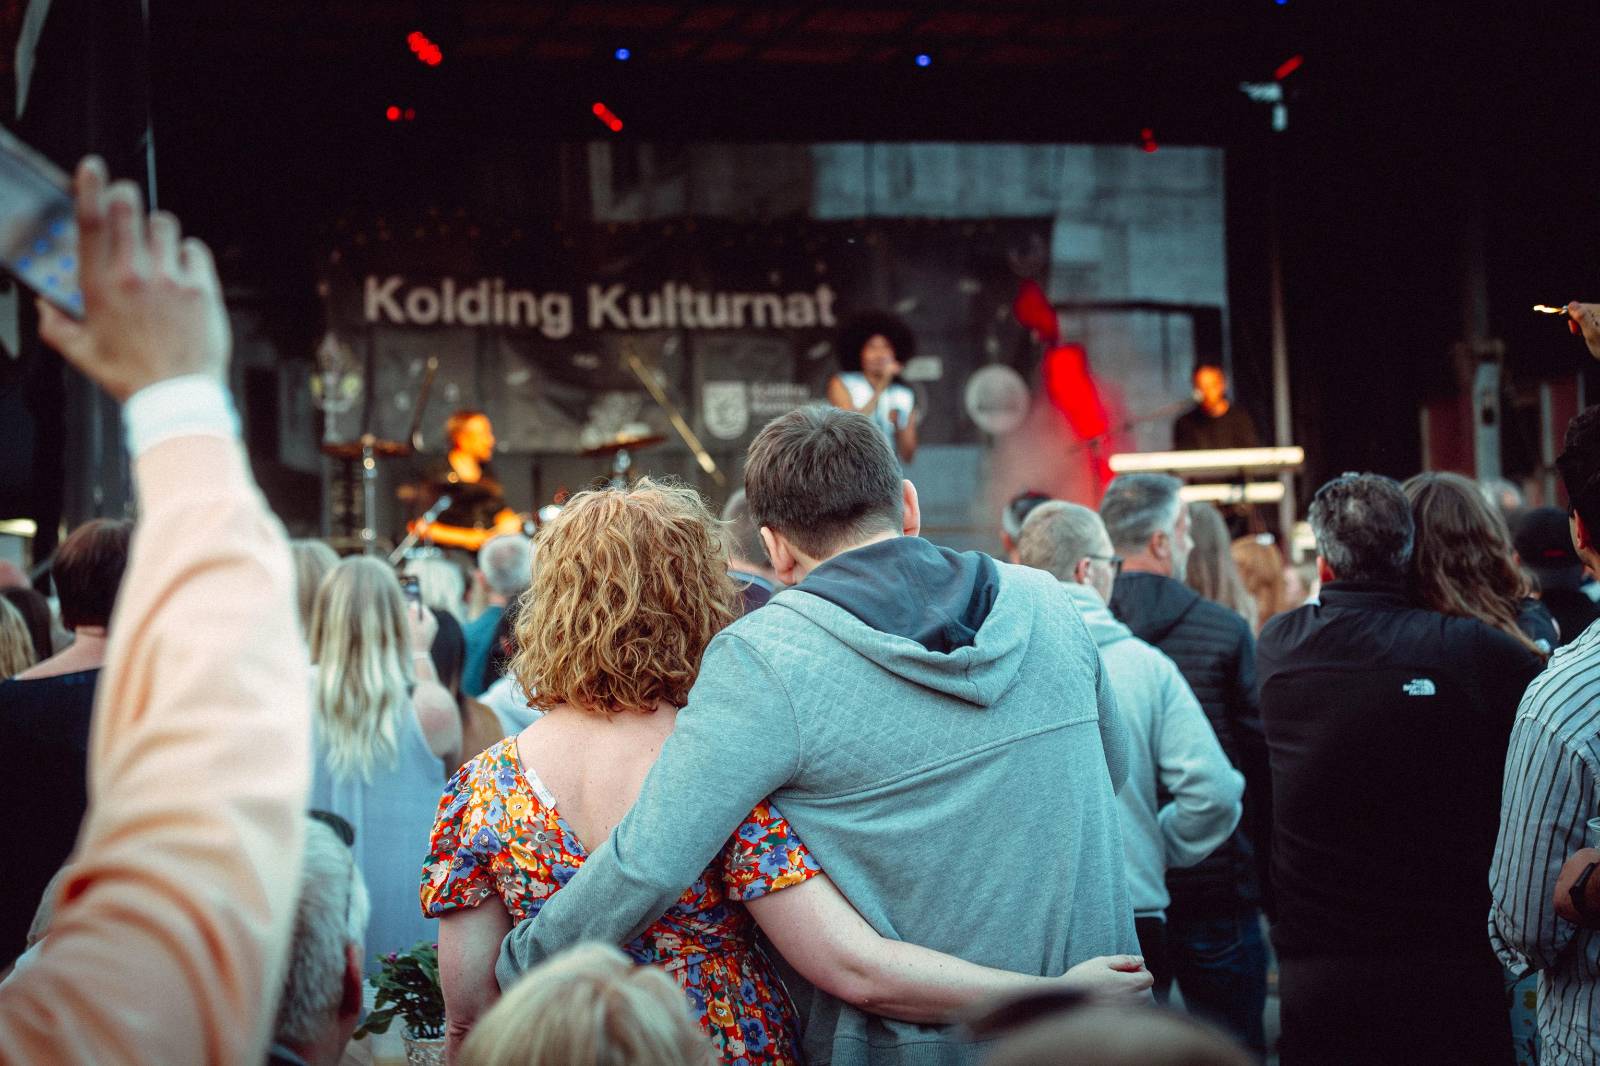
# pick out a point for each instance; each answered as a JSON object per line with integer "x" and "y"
{"x": 1136, "y": 507}
{"x": 1463, "y": 562}
{"x": 88, "y": 571}
{"x": 1579, "y": 464}
{"x": 1018, "y": 510}
{"x": 854, "y": 335}
{"x": 448, "y": 651}
{"x": 1363, "y": 527}
{"x": 35, "y": 611}
{"x": 824, "y": 478}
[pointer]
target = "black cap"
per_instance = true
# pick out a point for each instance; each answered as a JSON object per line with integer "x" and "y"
{"x": 1544, "y": 542}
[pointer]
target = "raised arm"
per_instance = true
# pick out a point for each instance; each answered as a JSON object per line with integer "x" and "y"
{"x": 172, "y": 927}
{"x": 735, "y": 743}
{"x": 822, "y": 936}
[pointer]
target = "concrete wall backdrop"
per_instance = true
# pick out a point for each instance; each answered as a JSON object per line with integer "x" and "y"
{"x": 1129, "y": 225}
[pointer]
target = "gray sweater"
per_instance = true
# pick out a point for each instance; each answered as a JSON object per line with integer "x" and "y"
{"x": 1171, "y": 750}
{"x": 939, "y": 730}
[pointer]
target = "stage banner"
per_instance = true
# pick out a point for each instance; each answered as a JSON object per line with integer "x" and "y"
{"x": 548, "y": 327}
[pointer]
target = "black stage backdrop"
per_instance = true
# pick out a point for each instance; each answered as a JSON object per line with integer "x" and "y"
{"x": 534, "y": 323}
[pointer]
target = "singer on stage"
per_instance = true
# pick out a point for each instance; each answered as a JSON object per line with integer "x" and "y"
{"x": 872, "y": 350}
{"x": 477, "y": 508}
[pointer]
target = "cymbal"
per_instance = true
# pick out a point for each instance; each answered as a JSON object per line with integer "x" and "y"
{"x": 352, "y": 449}
{"x": 623, "y": 442}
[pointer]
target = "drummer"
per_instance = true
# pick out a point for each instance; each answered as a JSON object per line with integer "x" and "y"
{"x": 477, "y": 508}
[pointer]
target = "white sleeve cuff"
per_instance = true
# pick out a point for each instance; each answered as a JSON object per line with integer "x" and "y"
{"x": 186, "y": 406}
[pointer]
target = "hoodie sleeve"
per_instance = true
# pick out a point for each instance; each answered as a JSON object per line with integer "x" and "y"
{"x": 1113, "y": 729}
{"x": 1190, "y": 764}
{"x": 735, "y": 743}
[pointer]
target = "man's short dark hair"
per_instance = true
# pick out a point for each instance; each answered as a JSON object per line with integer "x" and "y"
{"x": 1017, "y": 511}
{"x": 744, "y": 536}
{"x": 824, "y": 478}
{"x": 1580, "y": 466}
{"x": 1364, "y": 527}
{"x": 88, "y": 571}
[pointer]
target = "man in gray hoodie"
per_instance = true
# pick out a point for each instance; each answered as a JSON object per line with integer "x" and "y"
{"x": 936, "y": 726}
{"x": 1182, "y": 798}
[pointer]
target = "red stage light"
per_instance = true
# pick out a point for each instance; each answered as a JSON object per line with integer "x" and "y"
{"x": 392, "y": 114}
{"x": 605, "y": 115}
{"x": 1147, "y": 139}
{"x": 411, "y": 113}
{"x": 1288, "y": 67}
{"x": 424, "y": 49}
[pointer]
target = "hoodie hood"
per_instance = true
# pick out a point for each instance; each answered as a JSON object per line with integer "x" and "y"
{"x": 1103, "y": 625}
{"x": 1151, "y": 605}
{"x": 937, "y": 618}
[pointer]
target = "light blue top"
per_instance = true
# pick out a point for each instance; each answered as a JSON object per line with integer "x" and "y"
{"x": 393, "y": 816}
{"x": 1170, "y": 744}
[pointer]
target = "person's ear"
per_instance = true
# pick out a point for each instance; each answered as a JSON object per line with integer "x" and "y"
{"x": 911, "y": 510}
{"x": 1581, "y": 539}
{"x": 1160, "y": 546}
{"x": 1325, "y": 572}
{"x": 1080, "y": 573}
{"x": 780, "y": 555}
{"x": 350, "y": 984}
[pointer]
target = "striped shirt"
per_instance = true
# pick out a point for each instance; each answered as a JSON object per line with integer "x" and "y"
{"x": 1550, "y": 792}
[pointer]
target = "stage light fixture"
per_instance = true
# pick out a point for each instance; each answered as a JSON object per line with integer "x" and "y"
{"x": 1288, "y": 67}
{"x": 623, "y": 54}
{"x": 411, "y": 113}
{"x": 924, "y": 59}
{"x": 607, "y": 116}
{"x": 1147, "y": 139}
{"x": 424, "y": 49}
{"x": 392, "y": 113}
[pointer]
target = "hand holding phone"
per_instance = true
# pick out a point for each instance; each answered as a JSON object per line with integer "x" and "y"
{"x": 151, "y": 300}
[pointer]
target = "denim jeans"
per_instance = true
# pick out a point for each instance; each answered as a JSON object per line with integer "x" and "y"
{"x": 1220, "y": 966}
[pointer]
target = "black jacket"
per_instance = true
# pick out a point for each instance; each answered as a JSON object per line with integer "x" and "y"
{"x": 1387, "y": 726}
{"x": 1216, "y": 655}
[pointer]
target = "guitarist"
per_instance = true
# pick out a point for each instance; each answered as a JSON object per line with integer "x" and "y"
{"x": 477, "y": 508}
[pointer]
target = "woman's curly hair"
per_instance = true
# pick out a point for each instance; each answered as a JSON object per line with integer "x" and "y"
{"x": 854, "y": 335}
{"x": 629, "y": 586}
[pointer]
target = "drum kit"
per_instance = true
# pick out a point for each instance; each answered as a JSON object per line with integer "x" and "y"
{"x": 367, "y": 450}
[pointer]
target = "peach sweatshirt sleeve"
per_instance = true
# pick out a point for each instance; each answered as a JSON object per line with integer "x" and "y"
{"x": 171, "y": 934}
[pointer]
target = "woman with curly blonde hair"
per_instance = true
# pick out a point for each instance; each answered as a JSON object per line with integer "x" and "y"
{"x": 629, "y": 587}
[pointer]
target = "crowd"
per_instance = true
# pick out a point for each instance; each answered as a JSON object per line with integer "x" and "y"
{"x": 794, "y": 784}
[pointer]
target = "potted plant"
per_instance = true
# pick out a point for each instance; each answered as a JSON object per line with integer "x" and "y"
{"x": 408, "y": 988}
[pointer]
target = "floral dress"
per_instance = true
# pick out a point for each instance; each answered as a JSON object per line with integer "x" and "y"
{"x": 498, "y": 831}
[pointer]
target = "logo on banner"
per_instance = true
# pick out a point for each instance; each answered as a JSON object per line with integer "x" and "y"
{"x": 725, "y": 407}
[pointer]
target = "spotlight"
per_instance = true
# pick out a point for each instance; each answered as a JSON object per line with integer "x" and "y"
{"x": 1147, "y": 139}
{"x": 392, "y": 113}
{"x": 924, "y": 59}
{"x": 623, "y": 55}
{"x": 607, "y": 116}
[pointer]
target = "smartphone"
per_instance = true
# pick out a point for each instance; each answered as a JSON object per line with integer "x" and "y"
{"x": 412, "y": 588}
{"x": 38, "y": 234}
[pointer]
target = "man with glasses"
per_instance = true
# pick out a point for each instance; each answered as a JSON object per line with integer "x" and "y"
{"x": 1217, "y": 952}
{"x": 1198, "y": 802}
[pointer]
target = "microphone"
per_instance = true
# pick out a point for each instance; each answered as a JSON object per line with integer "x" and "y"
{"x": 440, "y": 506}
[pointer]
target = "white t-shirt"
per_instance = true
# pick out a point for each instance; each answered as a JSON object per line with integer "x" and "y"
{"x": 896, "y": 397}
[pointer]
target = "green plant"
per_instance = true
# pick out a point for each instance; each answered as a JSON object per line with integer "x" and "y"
{"x": 408, "y": 987}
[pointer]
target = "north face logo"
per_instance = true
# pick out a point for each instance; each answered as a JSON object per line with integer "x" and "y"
{"x": 1420, "y": 686}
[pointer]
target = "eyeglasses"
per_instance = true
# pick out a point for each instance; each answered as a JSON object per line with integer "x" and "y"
{"x": 1114, "y": 560}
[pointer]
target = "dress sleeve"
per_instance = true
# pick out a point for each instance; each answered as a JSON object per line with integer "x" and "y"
{"x": 456, "y": 873}
{"x": 764, "y": 855}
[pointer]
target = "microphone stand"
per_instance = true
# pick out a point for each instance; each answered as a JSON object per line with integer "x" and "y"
{"x": 429, "y": 517}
